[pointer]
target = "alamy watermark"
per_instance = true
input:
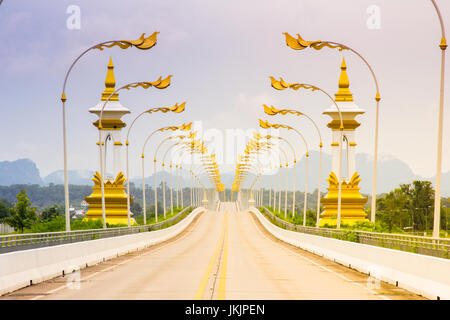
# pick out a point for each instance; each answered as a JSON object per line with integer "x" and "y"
{"x": 74, "y": 278}
{"x": 373, "y": 21}
{"x": 73, "y": 22}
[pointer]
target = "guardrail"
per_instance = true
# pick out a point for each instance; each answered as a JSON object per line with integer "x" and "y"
{"x": 437, "y": 247}
{"x": 27, "y": 241}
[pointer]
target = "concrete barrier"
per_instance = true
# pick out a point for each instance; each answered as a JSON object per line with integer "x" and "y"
{"x": 21, "y": 268}
{"x": 424, "y": 275}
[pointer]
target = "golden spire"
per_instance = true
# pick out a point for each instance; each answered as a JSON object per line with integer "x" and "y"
{"x": 110, "y": 83}
{"x": 344, "y": 93}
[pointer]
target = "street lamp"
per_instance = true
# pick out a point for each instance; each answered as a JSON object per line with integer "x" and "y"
{"x": 282, "y": 85}
{"x": 267, "y": 125}
{"x": 142, "y": 43}
{"x": 159, "y": 84}
{"x": 183, "y": 127}
{"x": 300, "y": 44}
{"x": 437, "y": 192}
{"x": 258, "y": 136}
{"x": 273, "y": 111}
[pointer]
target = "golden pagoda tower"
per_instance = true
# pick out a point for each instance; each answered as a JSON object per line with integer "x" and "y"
{"x": 352, "y": 202}
{"x": 110, "y": 132}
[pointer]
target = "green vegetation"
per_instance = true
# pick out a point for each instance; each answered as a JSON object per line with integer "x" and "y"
{"x": 151, "y": 215}
{"x": 46, "y": 196}
{"x": 22, "y": 215}
{"x": 410, "y": 208}
{"x": 407, "y": 209}
{"x": 297, "y": 218}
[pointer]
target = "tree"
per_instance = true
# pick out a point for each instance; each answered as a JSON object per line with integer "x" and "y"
{"x": 4, "y": 209}
{"x": 392, "y": 209}
{"x": 22, "y": 215}
{"x": 420, "y": 202}
{"x": 52, "y": 212}
{"x": 136, "y": 208}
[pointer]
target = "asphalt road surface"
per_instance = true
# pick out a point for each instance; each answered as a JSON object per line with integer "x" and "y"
{"x": 221, "y": 255}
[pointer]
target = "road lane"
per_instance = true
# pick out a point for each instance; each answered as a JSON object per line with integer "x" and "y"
{"x": 222, "y": 255}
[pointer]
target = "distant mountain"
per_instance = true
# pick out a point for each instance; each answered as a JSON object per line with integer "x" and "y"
{"x": 185, "y": 179}
{"x": 391, "y": 173}
{"x": 79, "y": 177}
{"x": 21, "y": 171}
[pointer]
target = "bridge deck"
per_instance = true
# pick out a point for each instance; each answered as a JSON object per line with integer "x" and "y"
{"x": 222, "y": 255}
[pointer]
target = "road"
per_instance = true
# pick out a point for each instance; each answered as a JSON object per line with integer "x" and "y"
{"x": 222, "y": 255}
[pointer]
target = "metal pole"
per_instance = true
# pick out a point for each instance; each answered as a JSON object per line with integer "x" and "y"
{"x": 338, "y": 224}
{"x": 164, "y": 194}
{"x": 128, "y": 184}
{"x": 279, "y": 192}
{"x": 437, "y": 194}
{"x": 270, "y": 195}
{"x": 306, "y": 191}
{"x": 293, "y": 190}
{"x": 318, "y": 189}
{"x": 181, "y": 187}
{"x": 171, "y": 189}
{"x": 66, "y": 179}
{"x": 102, "y": 182}
{"x": 144, "y": 207}
{"x": 262, "y": 193}
{"x": 285, "y": 193}
{"x": 274, "y": 192}
{"x": 192, "y": 189}
{"x": 177, "y": 182}
{"x": 156, "y": 191}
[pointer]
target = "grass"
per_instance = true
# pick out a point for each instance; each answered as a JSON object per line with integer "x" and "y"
{"x": 358, "y": 226}
{"x": 59, "y": 223}
{"x": 151, "y": 216}
{"x": 297, "y": 219}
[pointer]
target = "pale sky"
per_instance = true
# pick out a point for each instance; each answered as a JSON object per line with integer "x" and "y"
{"x": 220, "y": 54}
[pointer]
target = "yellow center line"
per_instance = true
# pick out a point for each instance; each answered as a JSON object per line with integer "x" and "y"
{"x": 223, "y": 271}
{"x": 201, "y": 289}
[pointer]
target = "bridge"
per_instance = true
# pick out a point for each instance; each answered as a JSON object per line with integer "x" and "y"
{"x": 222, "y": 253}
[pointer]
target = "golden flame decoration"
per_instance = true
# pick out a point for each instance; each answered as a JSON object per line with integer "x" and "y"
{"x": 158, "y": 84}
{"x": 176, "y": 108}
{"x": 142, "y": 43}
{"x": 183, "y": 127}
{"x": 267, "y": 125}
{"x": 273, "y": 111}
{"x": 119, "y": 181}
{"x": 281, "y": 85}
{"x": 300, "y": 43}
{"x": 192, "y": 134}
{"x": 257, "y": 135}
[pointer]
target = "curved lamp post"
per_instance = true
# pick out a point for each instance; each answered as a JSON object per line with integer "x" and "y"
{"x": 142, "y": 43}
{"x": 282, "y": 85}
{"x": 183, "y": 127}
{"x": 299, "y": 44}
{"x": 159, "y": 84}
{"x": 267, "y": 125}
{"x": 273, "y": 111}
{"x": 437, "y": 192}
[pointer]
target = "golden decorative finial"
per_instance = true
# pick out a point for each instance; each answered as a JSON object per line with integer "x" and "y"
{"x": 110, "y": 84}
{"x": 344, "y": 93}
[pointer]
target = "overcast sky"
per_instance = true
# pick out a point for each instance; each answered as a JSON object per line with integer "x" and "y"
{"x": 220, "y": 54}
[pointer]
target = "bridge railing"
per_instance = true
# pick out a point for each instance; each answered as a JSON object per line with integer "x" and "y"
{"x": 438, "y": 247}
{"x": 24, "y": 241}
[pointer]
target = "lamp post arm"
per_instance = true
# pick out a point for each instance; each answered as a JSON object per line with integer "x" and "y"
{"x": 76, "y": 60}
